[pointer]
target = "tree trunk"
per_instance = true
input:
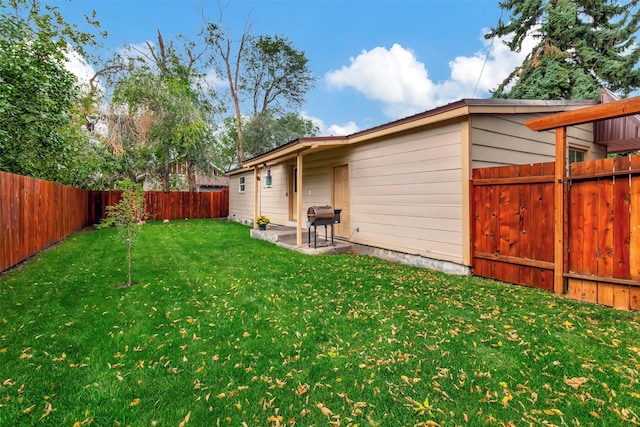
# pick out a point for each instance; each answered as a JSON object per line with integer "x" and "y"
{"x": 191, "y": 174}
{"x": 129, "y": 283}
{"x": 239, "y": 129}
{"x": 166, "y": 183}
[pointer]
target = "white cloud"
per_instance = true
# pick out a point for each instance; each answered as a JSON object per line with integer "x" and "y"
{"x": 468, "y": 71}
{"x": 80, "y": 68}
{"x": 334, "y": 129}
{"x": 397, "y": 79}
{"x": 213, "y": 80}
{"x": 342, "y": 130}
{"x": 392, "y": 76}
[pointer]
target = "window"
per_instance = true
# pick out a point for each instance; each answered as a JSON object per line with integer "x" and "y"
{"x": 576, "y": 155}
{"x": 242, "y": 184}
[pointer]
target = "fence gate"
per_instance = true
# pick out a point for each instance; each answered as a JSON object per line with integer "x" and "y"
{"x": 512, "y": 220}
{"x": 604, "y": 232}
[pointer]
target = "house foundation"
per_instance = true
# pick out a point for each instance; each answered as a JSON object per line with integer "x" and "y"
{"x": 414, "y": 260}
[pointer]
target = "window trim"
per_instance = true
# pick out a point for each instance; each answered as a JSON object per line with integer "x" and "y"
{"x": 576, "y": 151}
{"x": 242, "y": 184}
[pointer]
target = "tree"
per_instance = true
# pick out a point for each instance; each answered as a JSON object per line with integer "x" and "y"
{"x": 165, "y": 110}
{"x": 266, "y": 71}
{"x": 276, "y": 76}
{"x": 127, "y": 216}
{"x": 40, "y": 128}
{"x": 581, "y": 46}
{"x": 228, "y": 63}
{"x": 226, "y": 144}
{"x": 264, "y": 131}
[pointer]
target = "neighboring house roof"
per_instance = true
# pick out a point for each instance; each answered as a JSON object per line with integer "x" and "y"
{"x": 454, "y": 110}
{"x": 212, "y": 181}
{"x": 621, "y": 134}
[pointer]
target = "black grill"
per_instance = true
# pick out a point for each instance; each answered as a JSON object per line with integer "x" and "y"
{"x": 322, "y": 215}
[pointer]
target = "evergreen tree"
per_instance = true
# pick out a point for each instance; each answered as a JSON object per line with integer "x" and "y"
{"x": 581, "y": 46}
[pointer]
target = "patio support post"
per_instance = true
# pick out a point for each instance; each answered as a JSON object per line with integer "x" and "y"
{"x": 256, "y": 186}
{"x": 299, "y": 200}
{"x": 560, "y": 186}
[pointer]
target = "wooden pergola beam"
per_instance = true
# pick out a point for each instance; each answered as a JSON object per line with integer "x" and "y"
{"x": 611, "y": 110}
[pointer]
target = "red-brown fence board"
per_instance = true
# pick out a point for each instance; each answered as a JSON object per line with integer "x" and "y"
{"x": 634, "y": 226}
{"x": 35, "y": 214}
{"x": 523, "y": 229}
{"x": 622, "y": 220}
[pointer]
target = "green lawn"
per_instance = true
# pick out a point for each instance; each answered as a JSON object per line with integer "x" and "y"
{"x": 222, "y": 329}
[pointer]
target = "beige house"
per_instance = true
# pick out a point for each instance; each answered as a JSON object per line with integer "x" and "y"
{"x": 403, "y": 187}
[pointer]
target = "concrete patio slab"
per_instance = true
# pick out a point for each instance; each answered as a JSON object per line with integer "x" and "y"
{"x": 285, "y": 237}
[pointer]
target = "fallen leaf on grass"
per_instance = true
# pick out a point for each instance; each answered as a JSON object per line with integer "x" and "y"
{"x": 575, "y": 382}
{"x": 506, "y": 399}
{"x": 421, "y": 408}
{"x": 135, "y": 402}
{"x": 186, "y": 419}
{"x": 47, "y": 410}
{"x": 83, "y": 423}
{"x": 325, "y": 411}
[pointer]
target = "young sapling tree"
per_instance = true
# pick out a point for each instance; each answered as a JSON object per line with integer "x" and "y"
{"x": 127, "y": 216}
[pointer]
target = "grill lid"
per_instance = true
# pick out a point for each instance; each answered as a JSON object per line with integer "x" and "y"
{"x": 320, "y": 213}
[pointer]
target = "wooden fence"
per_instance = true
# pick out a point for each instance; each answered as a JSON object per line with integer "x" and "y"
{"x": 513, "y": 228}
{"x": 35, "y": 214}
{"x": 161, "y": 206}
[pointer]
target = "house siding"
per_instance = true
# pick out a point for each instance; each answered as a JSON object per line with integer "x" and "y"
{"x": 502, "y": 139}
{"x": 272, "y": 201}
{"x": 406, "y": 193}
{"x": 241, "y": 204}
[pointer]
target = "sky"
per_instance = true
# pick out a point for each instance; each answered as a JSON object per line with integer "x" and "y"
{"x": 375, "y": 60}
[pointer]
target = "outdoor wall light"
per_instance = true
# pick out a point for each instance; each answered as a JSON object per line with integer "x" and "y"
{"x": 267, "y": 178}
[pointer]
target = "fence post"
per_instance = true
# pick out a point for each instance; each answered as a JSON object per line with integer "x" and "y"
{"x": 559, "y": 209}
